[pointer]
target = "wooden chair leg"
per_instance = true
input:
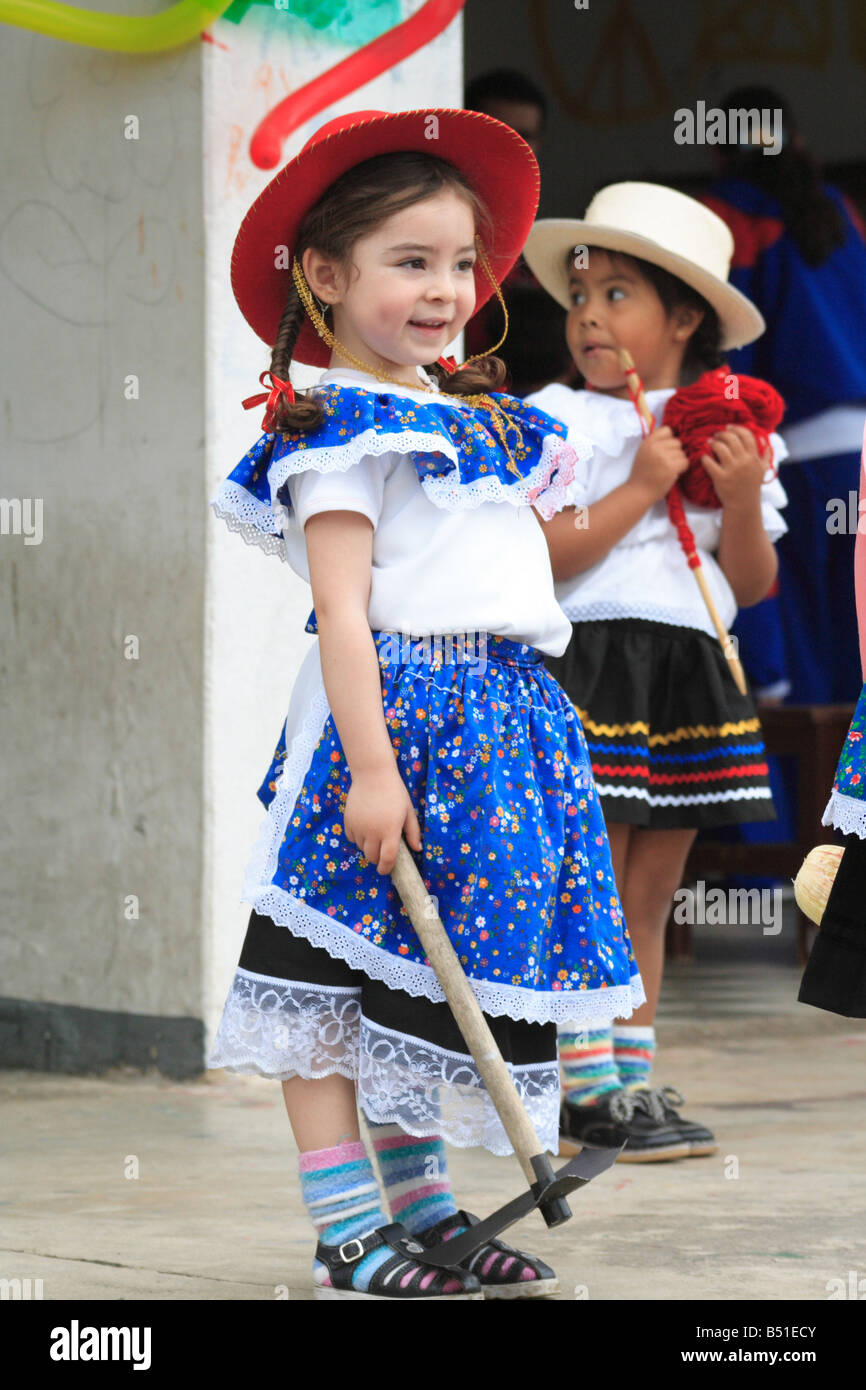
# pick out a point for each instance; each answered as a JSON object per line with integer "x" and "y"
{"x": 678, "y": 940}
{"x": 807, "y": 930}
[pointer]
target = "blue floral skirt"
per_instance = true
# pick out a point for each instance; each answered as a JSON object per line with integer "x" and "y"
{"x": 846, "y": 809}
{"x": 515, "y": 854}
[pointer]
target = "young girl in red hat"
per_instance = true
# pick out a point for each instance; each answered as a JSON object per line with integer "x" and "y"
{"x": 405, "y": 494}
{"x": 674, "y": 743}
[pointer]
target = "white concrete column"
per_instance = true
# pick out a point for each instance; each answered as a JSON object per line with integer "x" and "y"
{"x": 146, "y": 655}
{"x": 255, "y": 606}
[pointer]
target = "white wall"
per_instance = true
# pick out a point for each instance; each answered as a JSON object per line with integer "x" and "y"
{"x": 101, "y": 254}
{"x": 256, "y": 606}
{"x": 138, "y": 776}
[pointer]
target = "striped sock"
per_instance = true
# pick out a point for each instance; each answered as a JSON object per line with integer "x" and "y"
{"x": 341, "y": 1194}
{"x": 633, "y": 1051}
{"x": 415, "y": 1174}
{"x": 587, "y": 1066}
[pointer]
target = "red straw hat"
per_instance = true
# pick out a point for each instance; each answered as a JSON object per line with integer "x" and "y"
{"x": 499, "y": 165}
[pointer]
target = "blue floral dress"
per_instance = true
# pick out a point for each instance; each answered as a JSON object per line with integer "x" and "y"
{"x": 515, "y": 853}
{"x": 846, "y": 809}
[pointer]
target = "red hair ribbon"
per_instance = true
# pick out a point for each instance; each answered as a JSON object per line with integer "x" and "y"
{"x": 449, "y": 363}
{"x": 278, "y": 388}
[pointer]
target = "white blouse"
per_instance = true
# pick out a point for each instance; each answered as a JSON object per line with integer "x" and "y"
{"x": 482, "y": 569}
{"x": 645, "y": 575}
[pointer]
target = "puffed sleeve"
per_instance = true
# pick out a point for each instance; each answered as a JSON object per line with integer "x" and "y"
{"x": 558, "y": 401}
{"x": 359, "y": 489}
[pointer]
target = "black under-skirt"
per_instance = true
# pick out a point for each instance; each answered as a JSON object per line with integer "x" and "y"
{"x": 673, "y": 743}
{"x": 835, "y": 975}
{"x": 295, "y": 1010}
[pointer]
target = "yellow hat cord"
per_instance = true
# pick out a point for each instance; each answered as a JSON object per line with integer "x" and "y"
{"x": 501, "y": 422}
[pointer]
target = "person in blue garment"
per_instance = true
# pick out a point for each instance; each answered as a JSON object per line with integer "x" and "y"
{"x": 800, "y": 256}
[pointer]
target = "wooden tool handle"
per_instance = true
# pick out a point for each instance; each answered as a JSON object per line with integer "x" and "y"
{"x": 466, "y": 1010}
{"x": 737, "y": 671}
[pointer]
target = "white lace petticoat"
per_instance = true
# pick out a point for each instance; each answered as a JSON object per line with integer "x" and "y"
{"x": 280, "y": 1029}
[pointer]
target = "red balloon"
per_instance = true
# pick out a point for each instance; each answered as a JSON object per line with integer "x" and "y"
{"x": 389, "y": 49}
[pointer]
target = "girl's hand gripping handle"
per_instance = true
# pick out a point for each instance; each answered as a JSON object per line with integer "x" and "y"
{"x": 378, "y": 812}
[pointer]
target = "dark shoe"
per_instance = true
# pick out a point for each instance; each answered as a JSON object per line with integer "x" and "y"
{"x": 403, "y": 1275}
{"x": 503, "y": 1271}
{"x": 661, "y": 1102}
{"x": 618, "y": 1117}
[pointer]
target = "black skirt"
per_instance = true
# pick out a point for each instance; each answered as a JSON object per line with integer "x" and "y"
{"x": 673, "y": 743}
{"x": 294, "y": 1010}
{"x": 835, "y": 975}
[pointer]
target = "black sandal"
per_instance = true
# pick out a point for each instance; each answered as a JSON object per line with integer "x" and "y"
{"x": 403, "y": 1275}
{"x": 497, "y": 1265}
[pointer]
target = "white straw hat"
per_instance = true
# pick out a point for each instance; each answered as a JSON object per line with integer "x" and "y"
{"x": 659, "y": 225}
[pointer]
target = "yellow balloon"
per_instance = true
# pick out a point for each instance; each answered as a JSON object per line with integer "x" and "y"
{"x": 123, "y": 33}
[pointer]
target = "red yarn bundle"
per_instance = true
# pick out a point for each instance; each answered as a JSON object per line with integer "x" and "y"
{"x": 718, "y": 399}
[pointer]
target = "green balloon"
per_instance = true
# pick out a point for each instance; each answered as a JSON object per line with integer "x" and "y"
{"x": 353, "y": 22}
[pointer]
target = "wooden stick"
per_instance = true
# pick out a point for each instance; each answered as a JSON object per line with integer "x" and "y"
{"x": 739, "y": 675}
{"x": 466, "y": 1010}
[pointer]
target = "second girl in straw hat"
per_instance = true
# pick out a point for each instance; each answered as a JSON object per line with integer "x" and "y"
{"x": 674, "y": 744}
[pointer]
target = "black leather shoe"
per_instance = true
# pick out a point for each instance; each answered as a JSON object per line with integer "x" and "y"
{"x": 403, "y": 1275}
{"x": 700, "y": 1139}
{"x": 618, "y": 1117}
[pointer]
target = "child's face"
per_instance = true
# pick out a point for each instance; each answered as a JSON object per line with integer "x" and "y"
{"x": 409, "y": 289}
{"x": 613, "y": 307}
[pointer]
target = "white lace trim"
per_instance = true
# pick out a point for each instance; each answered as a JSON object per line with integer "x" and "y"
{"x": 251, "y": 519}
{"x": 699, "y": 798}
{"x": 288, "y": 910}
{"x": 279, "y": 1029}
{"x": 846, "y": 813}
{"x": 450, "y": 493}
{"x": 255, "y": 520}
{"x": 603, "y": 609}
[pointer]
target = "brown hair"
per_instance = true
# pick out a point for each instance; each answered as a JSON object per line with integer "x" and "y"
{"x": 355, "y": 205}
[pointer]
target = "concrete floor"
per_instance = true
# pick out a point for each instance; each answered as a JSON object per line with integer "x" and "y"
{"x": 215, "y": 1212}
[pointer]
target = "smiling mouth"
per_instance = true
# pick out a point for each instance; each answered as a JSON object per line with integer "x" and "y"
{"x": 429, "y": 324}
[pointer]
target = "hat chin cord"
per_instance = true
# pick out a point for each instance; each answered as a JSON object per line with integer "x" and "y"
{"x": 501, "y": 422}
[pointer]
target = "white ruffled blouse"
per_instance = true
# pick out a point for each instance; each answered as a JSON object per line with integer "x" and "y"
{"x": 450, "y": 554}
{"x": 645, "y": 575}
